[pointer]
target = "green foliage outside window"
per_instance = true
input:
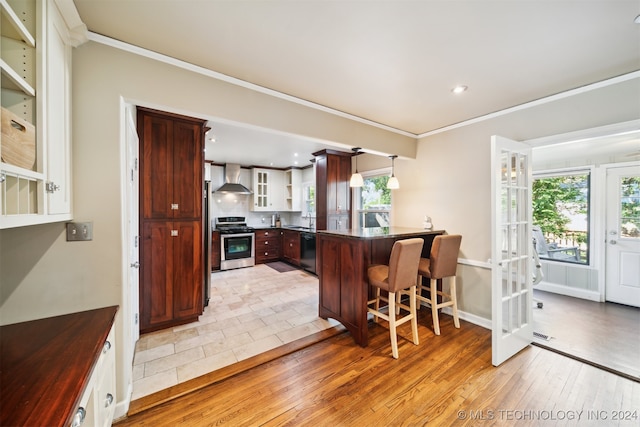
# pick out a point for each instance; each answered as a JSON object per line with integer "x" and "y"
{"x": 375, "y": 192}
{"x": 630, "y": 207}
{"x": 555, "y": 198}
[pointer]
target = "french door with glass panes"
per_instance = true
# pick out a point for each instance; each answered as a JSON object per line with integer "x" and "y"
{"x": 512, "y": 248}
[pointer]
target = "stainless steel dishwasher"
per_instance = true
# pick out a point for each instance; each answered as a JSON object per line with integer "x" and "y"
{"x": 308, "y": 251}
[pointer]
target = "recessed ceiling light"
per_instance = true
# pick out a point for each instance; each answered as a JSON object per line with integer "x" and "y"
{"x": 459, "y": 89}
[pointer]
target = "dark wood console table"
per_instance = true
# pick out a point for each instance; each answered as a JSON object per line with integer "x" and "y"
{"x": 343, "y": 258}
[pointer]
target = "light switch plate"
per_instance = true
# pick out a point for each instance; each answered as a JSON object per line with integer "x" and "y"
{"x": 79, "y": 231}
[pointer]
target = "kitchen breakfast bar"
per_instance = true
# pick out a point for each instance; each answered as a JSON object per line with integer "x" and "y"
{"x": 343, "y": 257}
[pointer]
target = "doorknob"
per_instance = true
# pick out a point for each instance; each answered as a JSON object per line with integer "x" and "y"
{"x": 135, "y": 264}
{"x": 613, "y": 242}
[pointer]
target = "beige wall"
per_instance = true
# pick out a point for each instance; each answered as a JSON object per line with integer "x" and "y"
{"x": 450, "y": 178}
{"x": 41, "y": 274}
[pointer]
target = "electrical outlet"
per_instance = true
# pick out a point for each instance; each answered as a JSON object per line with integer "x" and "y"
{"x": 79, "y": 231}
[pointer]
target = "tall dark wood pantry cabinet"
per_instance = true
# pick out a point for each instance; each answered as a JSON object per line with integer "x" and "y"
{"x": 333, "y": 193}
{"x": 171, "y": 215}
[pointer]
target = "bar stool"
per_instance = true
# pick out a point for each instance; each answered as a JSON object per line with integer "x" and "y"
{"x": 401, "y": 273}
{"x": 442, "y": 262}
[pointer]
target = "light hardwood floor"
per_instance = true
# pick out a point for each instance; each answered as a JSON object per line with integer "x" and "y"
{"x": 446, "y": 380}
{"x": 602, "y": 333}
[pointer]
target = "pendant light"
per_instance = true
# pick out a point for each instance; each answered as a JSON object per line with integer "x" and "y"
{"x": 393, "y": 183}
{"x": 356, "y": 178}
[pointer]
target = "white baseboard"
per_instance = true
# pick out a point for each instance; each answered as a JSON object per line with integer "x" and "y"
{"x": 122, "y": 407}
{"x": 468, "y": 317}
{"x": 569, "y": 291}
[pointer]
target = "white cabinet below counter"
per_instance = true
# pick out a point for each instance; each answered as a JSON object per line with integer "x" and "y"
{"x": 59, "y": 371}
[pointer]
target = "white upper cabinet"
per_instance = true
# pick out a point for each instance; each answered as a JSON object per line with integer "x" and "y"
{"x": 268, "y": 190}
{"x": 35, "y": 146}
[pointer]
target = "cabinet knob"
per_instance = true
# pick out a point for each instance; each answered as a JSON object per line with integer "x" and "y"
{"x": 78, "y": 418}
{"x": 266, "y": 243}
{"x": 174, "y": 206}
{"x": 106, "y": 347}
{"x": 108, "y": 400}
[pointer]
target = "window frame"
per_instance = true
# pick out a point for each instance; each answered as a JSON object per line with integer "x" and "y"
{"x": 358, "y": 211}
{"x": 590, "y": 171}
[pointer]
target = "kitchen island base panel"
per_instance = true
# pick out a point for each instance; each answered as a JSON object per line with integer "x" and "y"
{"x": 343, "y": 259}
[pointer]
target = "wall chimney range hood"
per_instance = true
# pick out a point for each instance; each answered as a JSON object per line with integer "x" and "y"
{"x": 232, "y": 181}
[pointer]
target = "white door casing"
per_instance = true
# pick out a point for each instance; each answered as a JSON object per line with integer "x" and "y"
{"x": 622, "y": 277}
{"x": 133, "y": 224}
{"x": 511, "y": 248}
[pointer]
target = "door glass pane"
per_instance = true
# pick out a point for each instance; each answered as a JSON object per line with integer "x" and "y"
{"x": 630, "y": 207}
{"x": 504, "y": 168}
{"x": 506, "y": 328}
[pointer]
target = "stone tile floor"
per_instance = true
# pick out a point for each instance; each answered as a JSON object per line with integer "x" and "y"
{"x": 251, "y": 310}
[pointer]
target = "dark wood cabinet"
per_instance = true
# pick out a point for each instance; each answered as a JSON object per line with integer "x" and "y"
{"x": 333, "y": 193}
{"x": 172, "y": 165}
{"x": 171, "y": 195}
{"x": 342, "y": 262}
{"x": 291, "y": 246}
{"x": 268, "y": 243}
{"x": 215, "y": 250}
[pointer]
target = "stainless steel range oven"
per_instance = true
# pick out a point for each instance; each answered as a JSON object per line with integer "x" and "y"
{"x": 237, "y": 242}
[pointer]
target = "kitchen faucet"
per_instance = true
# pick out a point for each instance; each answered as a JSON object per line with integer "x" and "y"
{"x": 310, "y": 218}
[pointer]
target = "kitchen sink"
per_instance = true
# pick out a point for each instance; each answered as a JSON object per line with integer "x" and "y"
{"x": 298, "y": 227}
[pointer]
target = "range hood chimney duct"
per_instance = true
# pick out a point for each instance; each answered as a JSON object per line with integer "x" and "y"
{"x": 232, "y": 181}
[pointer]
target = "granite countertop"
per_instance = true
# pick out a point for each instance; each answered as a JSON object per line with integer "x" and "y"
{"x": 379, "y": 232}
{"x": 286, "y": 227}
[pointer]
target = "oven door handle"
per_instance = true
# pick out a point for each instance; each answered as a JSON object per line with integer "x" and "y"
{"x": 226, "y": 236}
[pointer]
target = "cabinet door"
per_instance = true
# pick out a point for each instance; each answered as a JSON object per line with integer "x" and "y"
{"x": 276, "y": 191}
{"x": 187, "y": 171}
{"x": 291, "y": 248}
{"x": 343, "y": 190}
{"x": 338, "y": 222}
{"x": 156, "y": 293}
{"x": 215, "y": 250}
{"x": 186, "y": 241}
{"x": 156, "y": 167}
{"x": 58, "y": 114}
{"x": 172, "y": 282}
{"x": 261, "y": 183}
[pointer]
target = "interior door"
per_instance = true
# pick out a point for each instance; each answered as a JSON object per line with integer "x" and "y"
{"x": 622, "y": 283}
{"x": 511, "y": 251}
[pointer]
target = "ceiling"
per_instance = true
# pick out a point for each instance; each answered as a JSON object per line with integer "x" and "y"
{"x": 393, "y": 62}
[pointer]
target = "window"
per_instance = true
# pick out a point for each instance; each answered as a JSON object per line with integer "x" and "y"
{"x": 561, "y": 205}
{"x": 373, "y": 200}
{"x": 630, "y": 207}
